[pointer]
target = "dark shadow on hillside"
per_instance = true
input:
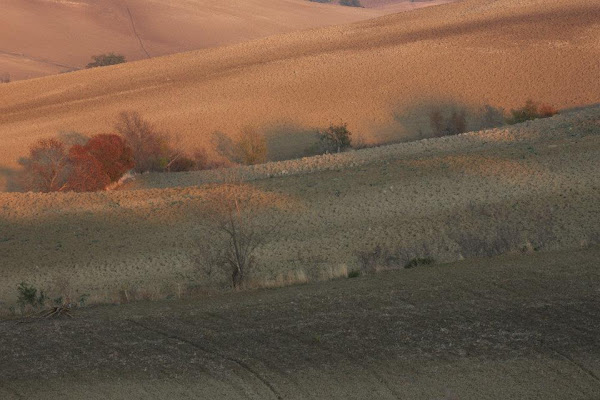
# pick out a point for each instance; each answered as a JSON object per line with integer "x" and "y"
{"x": 11, "y": 179}
{"x": 417, "y": 121}
{"x": 289, "y": 140}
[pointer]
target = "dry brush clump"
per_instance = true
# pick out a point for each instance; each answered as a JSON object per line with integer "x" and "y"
{"x": 531, "y": 110}
{"x": 452, "y": 124}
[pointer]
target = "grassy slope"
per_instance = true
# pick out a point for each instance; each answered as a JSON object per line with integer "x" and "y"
{"x": 381, "y": 76}
{"x": 529, "y": 186}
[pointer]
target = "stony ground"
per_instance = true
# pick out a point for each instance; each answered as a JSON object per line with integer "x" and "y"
{"x": 520, "y": 326}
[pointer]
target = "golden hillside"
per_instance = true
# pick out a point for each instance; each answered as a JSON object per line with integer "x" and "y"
{"x": 42, "y": 37}
{"x": 381, "y": 76}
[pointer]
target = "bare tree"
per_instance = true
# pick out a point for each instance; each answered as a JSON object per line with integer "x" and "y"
{"x": 236, "y": 230}
{"x": 251, "y": 147}
{"x": 150, "y": 148}
{"x": 47, "y": 168}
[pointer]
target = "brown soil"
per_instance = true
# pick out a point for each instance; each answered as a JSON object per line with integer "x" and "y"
{"x": 509, "y": 327}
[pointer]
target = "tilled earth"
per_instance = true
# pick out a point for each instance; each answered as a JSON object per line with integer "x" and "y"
{"x": 517, "y": 326}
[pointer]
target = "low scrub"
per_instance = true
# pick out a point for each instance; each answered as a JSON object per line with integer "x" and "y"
{"x": 335, "y": 139}
{"x": 4, "y": 78}
{"x": 452, "y": 124}
{"x": 530, "y": 111}
{"x": 104, "y": 60}
{"x": 419, "y": 261}
{"x": 251, "y": 147}
{"x": 351, "y": 3}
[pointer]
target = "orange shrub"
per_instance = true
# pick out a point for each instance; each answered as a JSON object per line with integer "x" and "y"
{"x": 113, "y": 153}
{"x": 87, "y": 173}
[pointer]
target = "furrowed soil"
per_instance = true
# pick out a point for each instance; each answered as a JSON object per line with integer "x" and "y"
{"x": 517, "y": 327}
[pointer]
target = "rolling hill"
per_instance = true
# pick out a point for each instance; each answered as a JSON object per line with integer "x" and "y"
{"x": 381, "y": 76}
{"x": 42, "y": 37}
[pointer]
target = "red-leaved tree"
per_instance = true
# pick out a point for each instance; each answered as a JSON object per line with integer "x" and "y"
{"x": 113, "y": 153}
{"x": 83, "y": 168}
{"x": 87, "y": 174}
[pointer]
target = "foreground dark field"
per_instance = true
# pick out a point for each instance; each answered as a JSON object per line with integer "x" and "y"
{"x": 521, "y": 326}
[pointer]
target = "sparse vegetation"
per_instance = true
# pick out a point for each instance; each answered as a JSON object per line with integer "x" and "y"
{"x": 251, "y": 147}
{"x": 351, "y": 3}
{"x": 378, "y": 258}
{"x": 531, "y": 110}
{"x": 28, "y": 296}
{"x": 491, "y": 117}
{"x": 335, "y": 139}
{"x": 4, "y": 78}
{"x": 104, "y": 60}
{"x": 453, "y": 124}
{"x": 154, "y": 151}
{"x": 354, "y": 274}
{"x": 418, "y": 261}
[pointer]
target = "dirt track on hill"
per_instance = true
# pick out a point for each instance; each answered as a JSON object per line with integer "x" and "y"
{"x": 514, "y": 327}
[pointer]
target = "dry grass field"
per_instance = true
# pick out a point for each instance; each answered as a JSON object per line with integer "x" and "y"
{"x": 33, "y": 43}
{"x": 381, "y": 76}
{"x": 524, "y": 188}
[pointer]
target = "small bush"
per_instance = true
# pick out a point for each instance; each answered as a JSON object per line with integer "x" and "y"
{"x": 5, "y": 78}
{"x": 335, "y": 139}
{"x": 104, "y": 60}
{"x": 251, "y": 147}
{"x": 453, "y": 125}
{"x": 531, "y": 111}
{"x": 418, "y": 261}
{"x": 320, "y": 1}
{"x": 354, "y": 274}
{"x": 28, "y": 296}
{"x": 351, "y": 3}
{"x": 491, "y": 117}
